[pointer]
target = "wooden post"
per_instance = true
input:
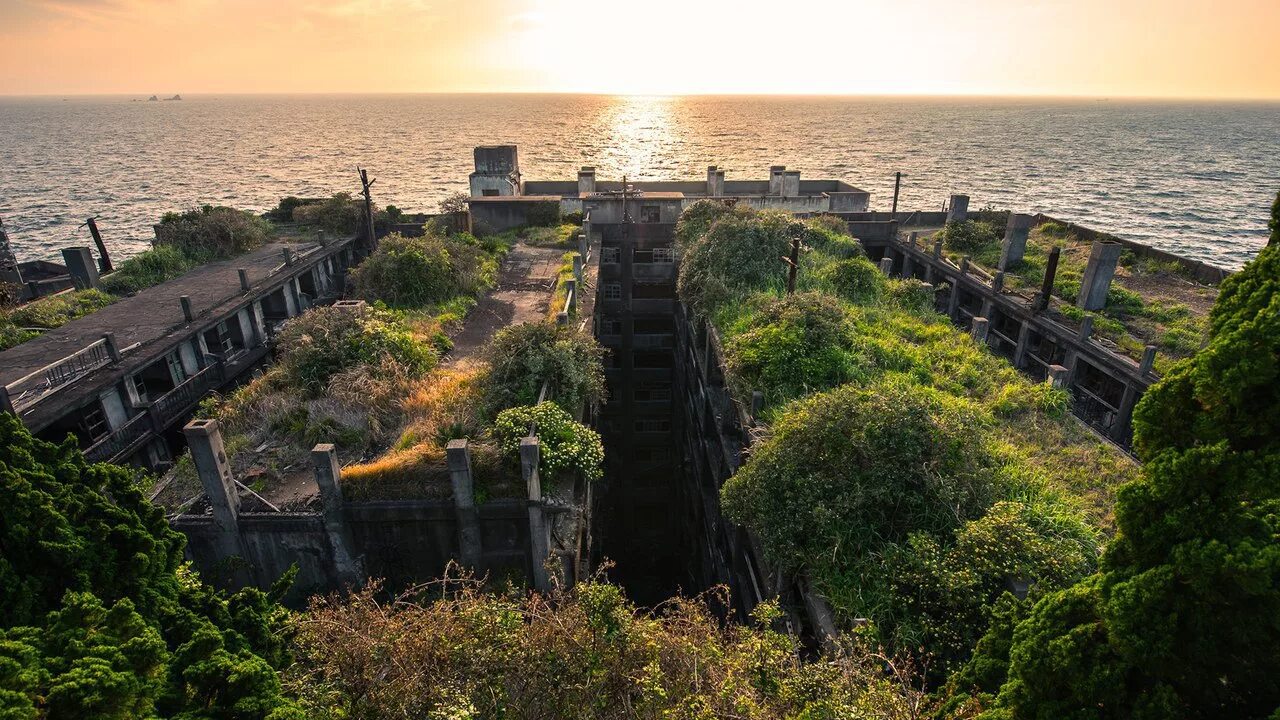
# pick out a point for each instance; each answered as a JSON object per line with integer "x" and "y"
{"x": 897, "y": 183}
{"x": 366, "y": 184}
{"x": 104, "y": 259}
{"x": 794, "y": 262}
{"x": 1046, "y": 288}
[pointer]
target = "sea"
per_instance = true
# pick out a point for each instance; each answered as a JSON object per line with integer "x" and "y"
{"x": 1193, "y": 178}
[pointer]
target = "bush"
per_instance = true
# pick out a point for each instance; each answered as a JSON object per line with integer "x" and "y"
{"x": 742, "y": 251}
{"x": 522, "y": 357}
{"x": 968, "y": 236}
{"x": 566, "y": 446}
{"x": 914, "y": 296}
{"x": 791, "y": 346}
{"x": 455, "y": 202}
{"x": 323, "y": 342}
{"x": 848, "y": 471}
{"x": 855, "y": 279}
{"x": 696, "y": 220}
{"x": 212, "y": 232}
{"x": 152, "y": 267}
{"x": 419, "y": 272}
{"x": 542, "y": 214}
{"x": 341, "y": 213}
{"x": 283, "y": 211}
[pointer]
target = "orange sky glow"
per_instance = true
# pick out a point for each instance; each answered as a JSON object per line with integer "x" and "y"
{"x": 1112, "y": 48}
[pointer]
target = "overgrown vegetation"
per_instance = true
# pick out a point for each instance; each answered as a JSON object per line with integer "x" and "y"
{"x": 454, "y": 651}
{"x": 422, "y": 271}
{"x": 101, "y": 618}
{"x": 897, "y": 445}
{"x": 522, "y": 357}
{"x": 1179, "y": 620}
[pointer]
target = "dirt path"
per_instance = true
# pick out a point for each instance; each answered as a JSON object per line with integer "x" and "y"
{"x": 523, "y": 294}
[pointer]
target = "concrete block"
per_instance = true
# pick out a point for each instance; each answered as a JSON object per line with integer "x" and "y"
{"x": 958, "y": 209}
{"x": 81, "y": 267}
{"x": 244, "y": 279}
{"x": 328, "y": 473}
{"x": 978, "y": 331}
{"x": 775, "y": 179}
{"x": 1015, "y": 240}
{"x": 586, "y": 180}
{"x": 1058, "y": 376}
{"x": 187, "y": 313}
{"x": 204, "y": 438}
{"x": 1103, "y": 257}
{"x": 1148, "y": 359}
{"x": 886, "y": 265}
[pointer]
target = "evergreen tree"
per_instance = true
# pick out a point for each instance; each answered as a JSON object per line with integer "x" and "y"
{"x": 1183, "y": 619}
{"x": 1274, "y": 224}
{"x": 99, "y": 618}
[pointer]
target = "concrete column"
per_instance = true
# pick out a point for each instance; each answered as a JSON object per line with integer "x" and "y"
{"x": 287, "y": 254}
{"x": 1020, "y": 350}
{"x": 953, "y": 303}
{"x": 775, "y": 178}
{"x": 791, "y": 183}
{"x": 1124, "y": 414}
{"x": 577, "y": 268}
{"x": 1057, "y": 376}
{"x": 912, "y": 237}
{"x": 886, "y": 265}
{"x": 1148, "y": 360}
{"x": 81, "y": 267}
{"x": 958, "y": 210}
{"x": 6, "y": 402}
{"x": 9, "y": 272}
{"x": 204, "y": 438}
{"x": 470, "y": 550}
{"x": 185, "y": 302}
{"x": 113, "y": 350}
{"x": 978, "y": 331}
{"x": 1097, "y": 275}
{"x": 539, "y": 533}
{"x": 757, "y": 403}
{"x": 570, "y": 291}
{"x": 244, "y": 279}
{"x": 346, "y": 565}
{"x": 586, "y": 180}
{"x": 582, "y": 244}
{"x": 1015, "y": 240}
{"x": 715, "y": 181}
{"x": 907, "y": 265}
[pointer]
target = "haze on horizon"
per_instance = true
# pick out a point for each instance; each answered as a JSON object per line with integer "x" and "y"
{"x": 1109, "y": 48}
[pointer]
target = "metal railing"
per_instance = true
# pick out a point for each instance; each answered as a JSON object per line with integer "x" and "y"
{"x": 121, "y": 439}
{"x": 178, "y": 400}
{"x": 27, "y": 391}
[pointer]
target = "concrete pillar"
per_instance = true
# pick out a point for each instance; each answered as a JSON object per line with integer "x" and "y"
{"x": 757, "y": 403}
{"x": 346, "y": 565}
{"x": 6, "y": 402}
{"x": 577, "y": 268}
{"x": 1020, "y": 349}
{"x": 908, "y": 266}
{"x": 570, "y": 292}
{"x": 958, "y": 210}
{"x": 1124, "y": 414}
{"x": 244, "y": 279}
{"x": 886, "y": 265}
{"x": 1015, "y": 240}
{"x": 539, "y": 533}
{"x": 582, "y": 244}
{"x": 586, "y": 180}
{"x": 204, "y": 438}
{"x": 912, "y": 236}
{"x": 288, "y": 255}
{"x": 187, "y": 313}
{"x": 81, "y": 267}
{"x": 9, "y": 272}
{"x": 937, "y": 249}
{"x": 791, "y": 183}
{"x": 715, "y": 181}
{"x": 1097, "y": 275}
{"x": 989, "y": 304}
{"x": 1148, "y": 360}
{"x": 113, "y": 350}
{"x": 1057, "y": 376}
{"x": 562, "y": 319}
{"x": 775, "y": 179}
{"x": 470, "y": 550}
{"x": 953, "y": 303}
{"x": 978, "y": 331}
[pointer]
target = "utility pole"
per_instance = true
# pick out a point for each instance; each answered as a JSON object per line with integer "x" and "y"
{"x": 366, "y": 183}
{"x": 104, "y": 259}
{"x": 897, "y": 183}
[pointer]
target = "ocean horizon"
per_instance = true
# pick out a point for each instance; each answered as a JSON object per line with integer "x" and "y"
{"x": 1194, "y": 177}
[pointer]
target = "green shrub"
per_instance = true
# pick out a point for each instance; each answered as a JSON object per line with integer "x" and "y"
{"x": 855, "y": 279}
{"x": 341, "y": 213}
{"x": 542, "y": 214}
{"x": 522, "y": 357}
{"x": 850, "y": 470}
{"x": 697, "y": 219}
{"x": 914, "y": 296}
{"x": 968, "y": 236}
{"x": 419, "y": 272}
{"x": 741, "y": 251}
{"x": 152, "y": 267}
{"x": 566, "y": 446}
{"x": 791, "y": 346}
{"x": 1053, "y": 229}
{"x": 323, "y": 342}
{"x": 1180, "y": 619}
{"x": 283, "y": 211}
{"x": 212, "y": 232}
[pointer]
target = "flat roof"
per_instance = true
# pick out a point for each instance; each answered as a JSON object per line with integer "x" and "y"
{"x": 635, "y": 195}
{"x": 149, "y": 315}
{"x": 515, "y": 198}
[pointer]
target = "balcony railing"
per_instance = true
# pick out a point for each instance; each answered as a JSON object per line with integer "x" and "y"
{"x": 120, "y": 440}
{"x": 180, "y": 399}
{"x": 27, "y": 391}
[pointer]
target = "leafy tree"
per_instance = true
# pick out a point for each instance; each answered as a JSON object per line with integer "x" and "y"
{"x": 99, "y": 617}
{"x": 455, "y": 202}
{"x": 1181, "y": 620}
{"x": 522, "y": 357}
{"x": 1274, "y": 223}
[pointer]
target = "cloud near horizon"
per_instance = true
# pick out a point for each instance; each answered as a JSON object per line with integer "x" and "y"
{"x": 1161, "y": 48}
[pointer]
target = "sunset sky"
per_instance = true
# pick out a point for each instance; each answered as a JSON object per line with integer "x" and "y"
{"x": 1114, "y": 48}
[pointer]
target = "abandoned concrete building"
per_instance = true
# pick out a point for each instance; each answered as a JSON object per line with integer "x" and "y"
{"x": 501, "y": 198}
{"x": 123, "y": 379}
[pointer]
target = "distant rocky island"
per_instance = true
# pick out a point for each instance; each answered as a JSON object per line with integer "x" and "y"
{"x": 153, "y": 98}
